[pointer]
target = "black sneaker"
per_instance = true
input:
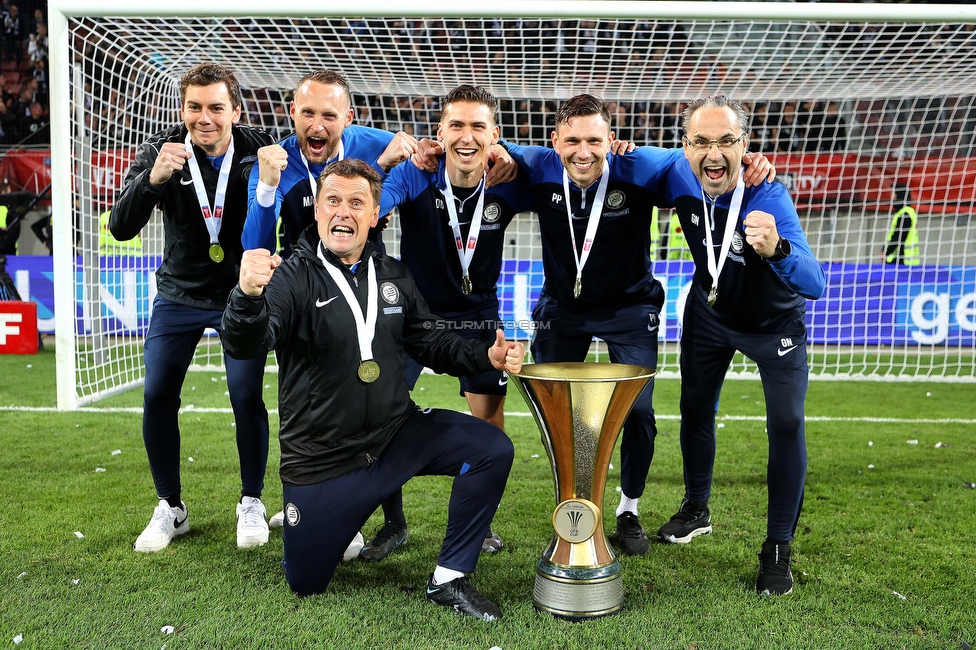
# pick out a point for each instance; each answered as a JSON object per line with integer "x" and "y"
{"x": 691, "y": 520}
{"x": 775, "y": 577}
{"x": 629, "y": 536}
{"x": 388, "y": 539}
{"x": 461, "y": 596}
{"x": 492, "y": 543}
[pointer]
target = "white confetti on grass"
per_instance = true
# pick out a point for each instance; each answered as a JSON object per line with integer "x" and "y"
{"x": 190, "y": 459}
{"x": 899, "y": 595}
{"x": 116, "y": 452}
{"x": 75, "y": 581}
{"x": 79, "y": 535}
{"x": 19, "y": 637}
{"x": 870, "y": 466}
{"x": 721, "y": 425}
{"x": 535, "y": 455}
{"x": 913, "y": 442}
{"x": 940, "y": 444}
{"x": 22, "y": 575}
{"x": 870, "y": 444}
{"x": 167, "y": 629}
{"x": 99, "y": 469}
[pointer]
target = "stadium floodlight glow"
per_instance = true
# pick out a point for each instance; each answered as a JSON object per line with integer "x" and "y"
{"x": 903, "y": 83}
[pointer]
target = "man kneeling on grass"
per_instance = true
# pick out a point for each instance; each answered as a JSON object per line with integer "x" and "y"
{"x": 339, "y": 316}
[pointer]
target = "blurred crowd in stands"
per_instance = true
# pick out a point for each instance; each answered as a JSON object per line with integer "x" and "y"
{"x": 902, "y": 127}
{"x": 24, "y": 109}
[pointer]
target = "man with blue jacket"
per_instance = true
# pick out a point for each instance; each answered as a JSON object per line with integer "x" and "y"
{"x": 754, "y": 272}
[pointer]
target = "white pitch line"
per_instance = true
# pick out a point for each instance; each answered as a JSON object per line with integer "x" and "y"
{"x": 519, "y": 414}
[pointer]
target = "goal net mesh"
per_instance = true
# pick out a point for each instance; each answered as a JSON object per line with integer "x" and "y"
{"x": 860, "y": 119}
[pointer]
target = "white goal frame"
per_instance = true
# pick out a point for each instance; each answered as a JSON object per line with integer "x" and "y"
{"x": 60, "y": 70}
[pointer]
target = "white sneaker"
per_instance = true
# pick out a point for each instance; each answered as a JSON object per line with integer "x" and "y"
{"x": 278, "y": 520}
{"x": 355, "y": 546}
{"x": 166, "y": 523}
{"x": 252, "y": 529}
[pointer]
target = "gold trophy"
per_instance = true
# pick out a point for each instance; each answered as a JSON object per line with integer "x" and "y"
{"x": 580, "y": 409}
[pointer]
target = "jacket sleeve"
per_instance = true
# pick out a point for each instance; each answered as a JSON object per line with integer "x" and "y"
{"x": 396, "y": 189}
{"x": 259, "y": 226}
{"x": 252, "y": 326}
{"x": 137, "y": 198}
{"x": 800, "y": 270}
{"x": 437, "y": 347}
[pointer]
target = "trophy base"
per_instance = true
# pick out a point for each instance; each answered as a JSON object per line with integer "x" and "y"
{"x": 578, "y": 593}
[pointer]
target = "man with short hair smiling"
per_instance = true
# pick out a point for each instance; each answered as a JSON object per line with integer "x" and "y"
{"x": 453, "y": 232}
{"x": 196, "y": 173}
{"x": 753, "y": 276}
{"x": 339, "y": 316}
{"x": 594, "y": 217}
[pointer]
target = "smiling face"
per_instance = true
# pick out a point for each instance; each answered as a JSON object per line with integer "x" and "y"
{"x": 209, "y": 116}
{"x": 467, "y": 129}
{"x": 716, "y": 168}
{"x": 583, "y": 143}
{"x": 321, "y": 112}
{"x": 345, "y": 211}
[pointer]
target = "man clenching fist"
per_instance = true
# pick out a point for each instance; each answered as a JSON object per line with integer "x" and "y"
{"x": 257, "y": 267}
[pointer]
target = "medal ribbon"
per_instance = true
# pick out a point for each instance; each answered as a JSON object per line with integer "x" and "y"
{"x": 595, "y": 213}
{"x": 465, "y": 253}
{"x": 365, "y": 328}
{"x": 715, "y": 268}
{"x": 215, "y": 218}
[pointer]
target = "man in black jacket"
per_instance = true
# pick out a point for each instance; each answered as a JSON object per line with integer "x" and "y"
{"x": 339, "y": 316}
{"x": 197, "y": 173}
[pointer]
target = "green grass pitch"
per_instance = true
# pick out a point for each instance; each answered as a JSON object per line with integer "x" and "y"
{"x": 885, "y": 554}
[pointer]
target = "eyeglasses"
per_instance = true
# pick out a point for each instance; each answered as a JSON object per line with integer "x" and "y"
{"x": 724, "y": 145}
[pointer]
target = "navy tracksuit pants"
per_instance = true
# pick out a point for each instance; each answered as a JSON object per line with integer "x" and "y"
{"x": 707, "y": 348}
{"x": 174, "y": 332}
{"x": 631, "y": 337}
{"x": 321, "y": 519}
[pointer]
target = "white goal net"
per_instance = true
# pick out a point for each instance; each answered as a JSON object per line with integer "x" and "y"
{"x": 862, "y": 113}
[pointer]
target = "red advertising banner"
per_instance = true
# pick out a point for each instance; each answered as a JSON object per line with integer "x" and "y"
{"x": 824, "y": 180}
{"x": 18, "y": 327}
{"x": 27, "y": 170}
{"x": 108, "y": 170}
{"x": 816, "y": 180}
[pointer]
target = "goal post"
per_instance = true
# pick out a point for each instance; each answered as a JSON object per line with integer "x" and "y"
{"x": 854, "y": 108}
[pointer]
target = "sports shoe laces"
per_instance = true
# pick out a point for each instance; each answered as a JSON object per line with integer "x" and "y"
{"x": 688, "y": 513}
{"x": 389, "y": 531}
{"x": 463, "y": 590}
{"x": 163, "y": 514}
{"x": 628, "y": 525}
{"x": 774, "y": 562}
{"x": 251, "y": 515}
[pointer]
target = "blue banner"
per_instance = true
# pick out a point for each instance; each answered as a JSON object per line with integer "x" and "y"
{"x": 865, "y": 304}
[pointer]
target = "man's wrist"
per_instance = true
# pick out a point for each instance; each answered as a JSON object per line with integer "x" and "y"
{"x": 265, "y": 194}
{"x": 783, "y": 250}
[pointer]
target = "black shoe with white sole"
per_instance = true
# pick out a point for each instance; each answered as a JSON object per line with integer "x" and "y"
{"x": 691, "y": 520}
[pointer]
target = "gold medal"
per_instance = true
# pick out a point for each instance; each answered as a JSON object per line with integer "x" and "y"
{"x": 216, "y": 253}
{"x": 577, "y": 288}
{"x": 369, "y": 371}
{"x": 712, "y": 296}
{"x": 466, "y": 285}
